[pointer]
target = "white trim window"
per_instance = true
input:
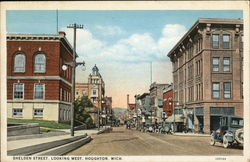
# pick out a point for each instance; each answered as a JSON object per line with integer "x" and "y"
{"x": 38, "y": 112}
{"x": 226, "y": 64}
{"x": 18, "y": 90}
{"x": 215, "y": 63}
{"x": 19, "y": 63}
{"x": 17, "y": 112}
{"x": 215, "y": 41}
{"x": 40, "y": 63}
{"x": 226, "y": 41}
{"x": 216, "y": 90}
{"x": 39, "y": 90}
{"x": 227, "y": 90}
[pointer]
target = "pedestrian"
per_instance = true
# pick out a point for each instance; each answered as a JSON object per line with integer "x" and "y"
{"x": 156, "y": 125}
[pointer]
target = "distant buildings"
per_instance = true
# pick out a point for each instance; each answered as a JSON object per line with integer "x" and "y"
{"x": 37, "y": 87}
{"x": 156, "y": 95}
{"x": 208, "y": 72}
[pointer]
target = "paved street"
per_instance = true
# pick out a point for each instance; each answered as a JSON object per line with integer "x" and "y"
{"x": 131, "y": 142}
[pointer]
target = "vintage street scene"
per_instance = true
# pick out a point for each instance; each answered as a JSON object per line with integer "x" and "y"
{"x": 124, "y": 83}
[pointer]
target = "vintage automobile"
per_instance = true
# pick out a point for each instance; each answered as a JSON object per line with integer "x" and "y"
{"x": 149, "y": 127}
{"x": 165, "y": 128}
{"x": 230, "y": 131}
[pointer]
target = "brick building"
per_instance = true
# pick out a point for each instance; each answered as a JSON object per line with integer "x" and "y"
{"x": 37, "y": 87}
{"x": 208, "y": 72}
{"x": 168, "y": 100}
{"x": 156, "y": 95}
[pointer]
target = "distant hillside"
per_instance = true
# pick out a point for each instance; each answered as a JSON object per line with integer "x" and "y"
{"x": 119, "y": 110}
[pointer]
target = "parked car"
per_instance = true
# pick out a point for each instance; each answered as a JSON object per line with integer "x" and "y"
{"x": 165, "y": 128}
{"x": 149, "y": 128}
{"x": 230, "y": 131}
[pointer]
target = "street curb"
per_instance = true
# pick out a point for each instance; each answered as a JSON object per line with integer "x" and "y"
{"x": 29, "y": 150}
{"x": 192, "y": 135}
{"x": 42, "y": 135}
{"x": 107, "y": 130}
{"x": 67, "y": 148}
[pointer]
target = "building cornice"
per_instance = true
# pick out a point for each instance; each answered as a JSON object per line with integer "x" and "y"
{"x": 41, "y": 37}
{"x": 38, "y": 78}
{"x": 208, "y": 22}
{"x": 39, "y": 101}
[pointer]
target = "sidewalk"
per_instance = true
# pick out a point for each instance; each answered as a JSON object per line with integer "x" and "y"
{"x": 15, "y": 144}
{"x": 191, "y": 134}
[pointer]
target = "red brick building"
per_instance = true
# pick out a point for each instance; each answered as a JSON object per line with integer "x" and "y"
{"x": 37, "y": 87}
{"x": 168, "y": 101}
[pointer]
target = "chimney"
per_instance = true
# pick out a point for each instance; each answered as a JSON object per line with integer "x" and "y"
{"x": 128, "y": 100}
{"x": 62, "y": 33}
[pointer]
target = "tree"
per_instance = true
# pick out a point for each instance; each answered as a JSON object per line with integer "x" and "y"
{"x": 81, "y": 116}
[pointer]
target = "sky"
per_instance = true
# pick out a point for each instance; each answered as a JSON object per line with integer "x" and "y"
{"x": 122, "y": 43}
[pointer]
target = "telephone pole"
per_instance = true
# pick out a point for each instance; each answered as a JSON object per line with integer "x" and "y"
{"x": 74, "y": 64}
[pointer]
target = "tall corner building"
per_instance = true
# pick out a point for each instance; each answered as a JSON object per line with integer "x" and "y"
{"x": 37, "y": 87}
{"x": 208, "y": 72}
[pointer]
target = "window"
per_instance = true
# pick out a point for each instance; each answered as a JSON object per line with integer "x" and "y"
{"x": 39, "y": 91}
{"x": 38, "y": 112}
{"x": 215, "y": 41}
{"x": 18, "y": 90}
{"x": 84, "y": 92}
{"x": 17, "y": 112}
{"x": 218, "y": 111}
{"x": 40, "y": 63}
{"x": 19, "y": 65}
{"x": 226, "y": 41}
{"x": 227, "y": 90}
{"x": 77, "y": 92}
{"x": 215, "y": 62}
{"x": 94, "y": 92}
{"x": 216, "y": 90}
{"x": 226, "y": 64}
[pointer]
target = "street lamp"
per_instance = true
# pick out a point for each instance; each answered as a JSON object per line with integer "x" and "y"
{"x": 73, "y": 64}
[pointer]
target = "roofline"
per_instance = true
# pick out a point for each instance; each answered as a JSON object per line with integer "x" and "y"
{"x": 53, "y": 37}
{"x": 203, "y": 21}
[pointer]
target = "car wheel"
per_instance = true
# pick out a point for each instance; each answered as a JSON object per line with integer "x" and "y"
{"x": 225, "y": 142}
{"x": 212, "y": 141}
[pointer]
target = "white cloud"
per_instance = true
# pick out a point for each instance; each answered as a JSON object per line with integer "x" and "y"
{"x": 136, "y": 48}
{"x": 110, "y": 30}
{"x": 171, "y": 34}
{"x": 86, "y": 44}
{"x": 121, "y": 77}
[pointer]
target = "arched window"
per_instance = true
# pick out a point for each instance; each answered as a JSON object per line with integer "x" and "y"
{"x": 40, "y": 63}
{"x": 19, "y": 65}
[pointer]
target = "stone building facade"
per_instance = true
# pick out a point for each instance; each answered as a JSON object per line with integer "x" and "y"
{"x": 208, "y": 72}
{"x": 37, "y": 87}
{"x": 94, "y": 89}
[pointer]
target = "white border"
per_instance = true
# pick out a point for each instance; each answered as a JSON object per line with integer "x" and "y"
{"x": 133, "y": 5}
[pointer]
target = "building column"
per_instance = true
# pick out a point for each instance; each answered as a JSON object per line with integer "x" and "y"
{"x": 206, "y": 127}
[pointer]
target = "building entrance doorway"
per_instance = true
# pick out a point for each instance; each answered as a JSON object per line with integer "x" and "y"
{"x": 200, "y": 123}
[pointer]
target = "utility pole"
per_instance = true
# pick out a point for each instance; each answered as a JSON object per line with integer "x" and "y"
{"x": 74, "y": 64}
